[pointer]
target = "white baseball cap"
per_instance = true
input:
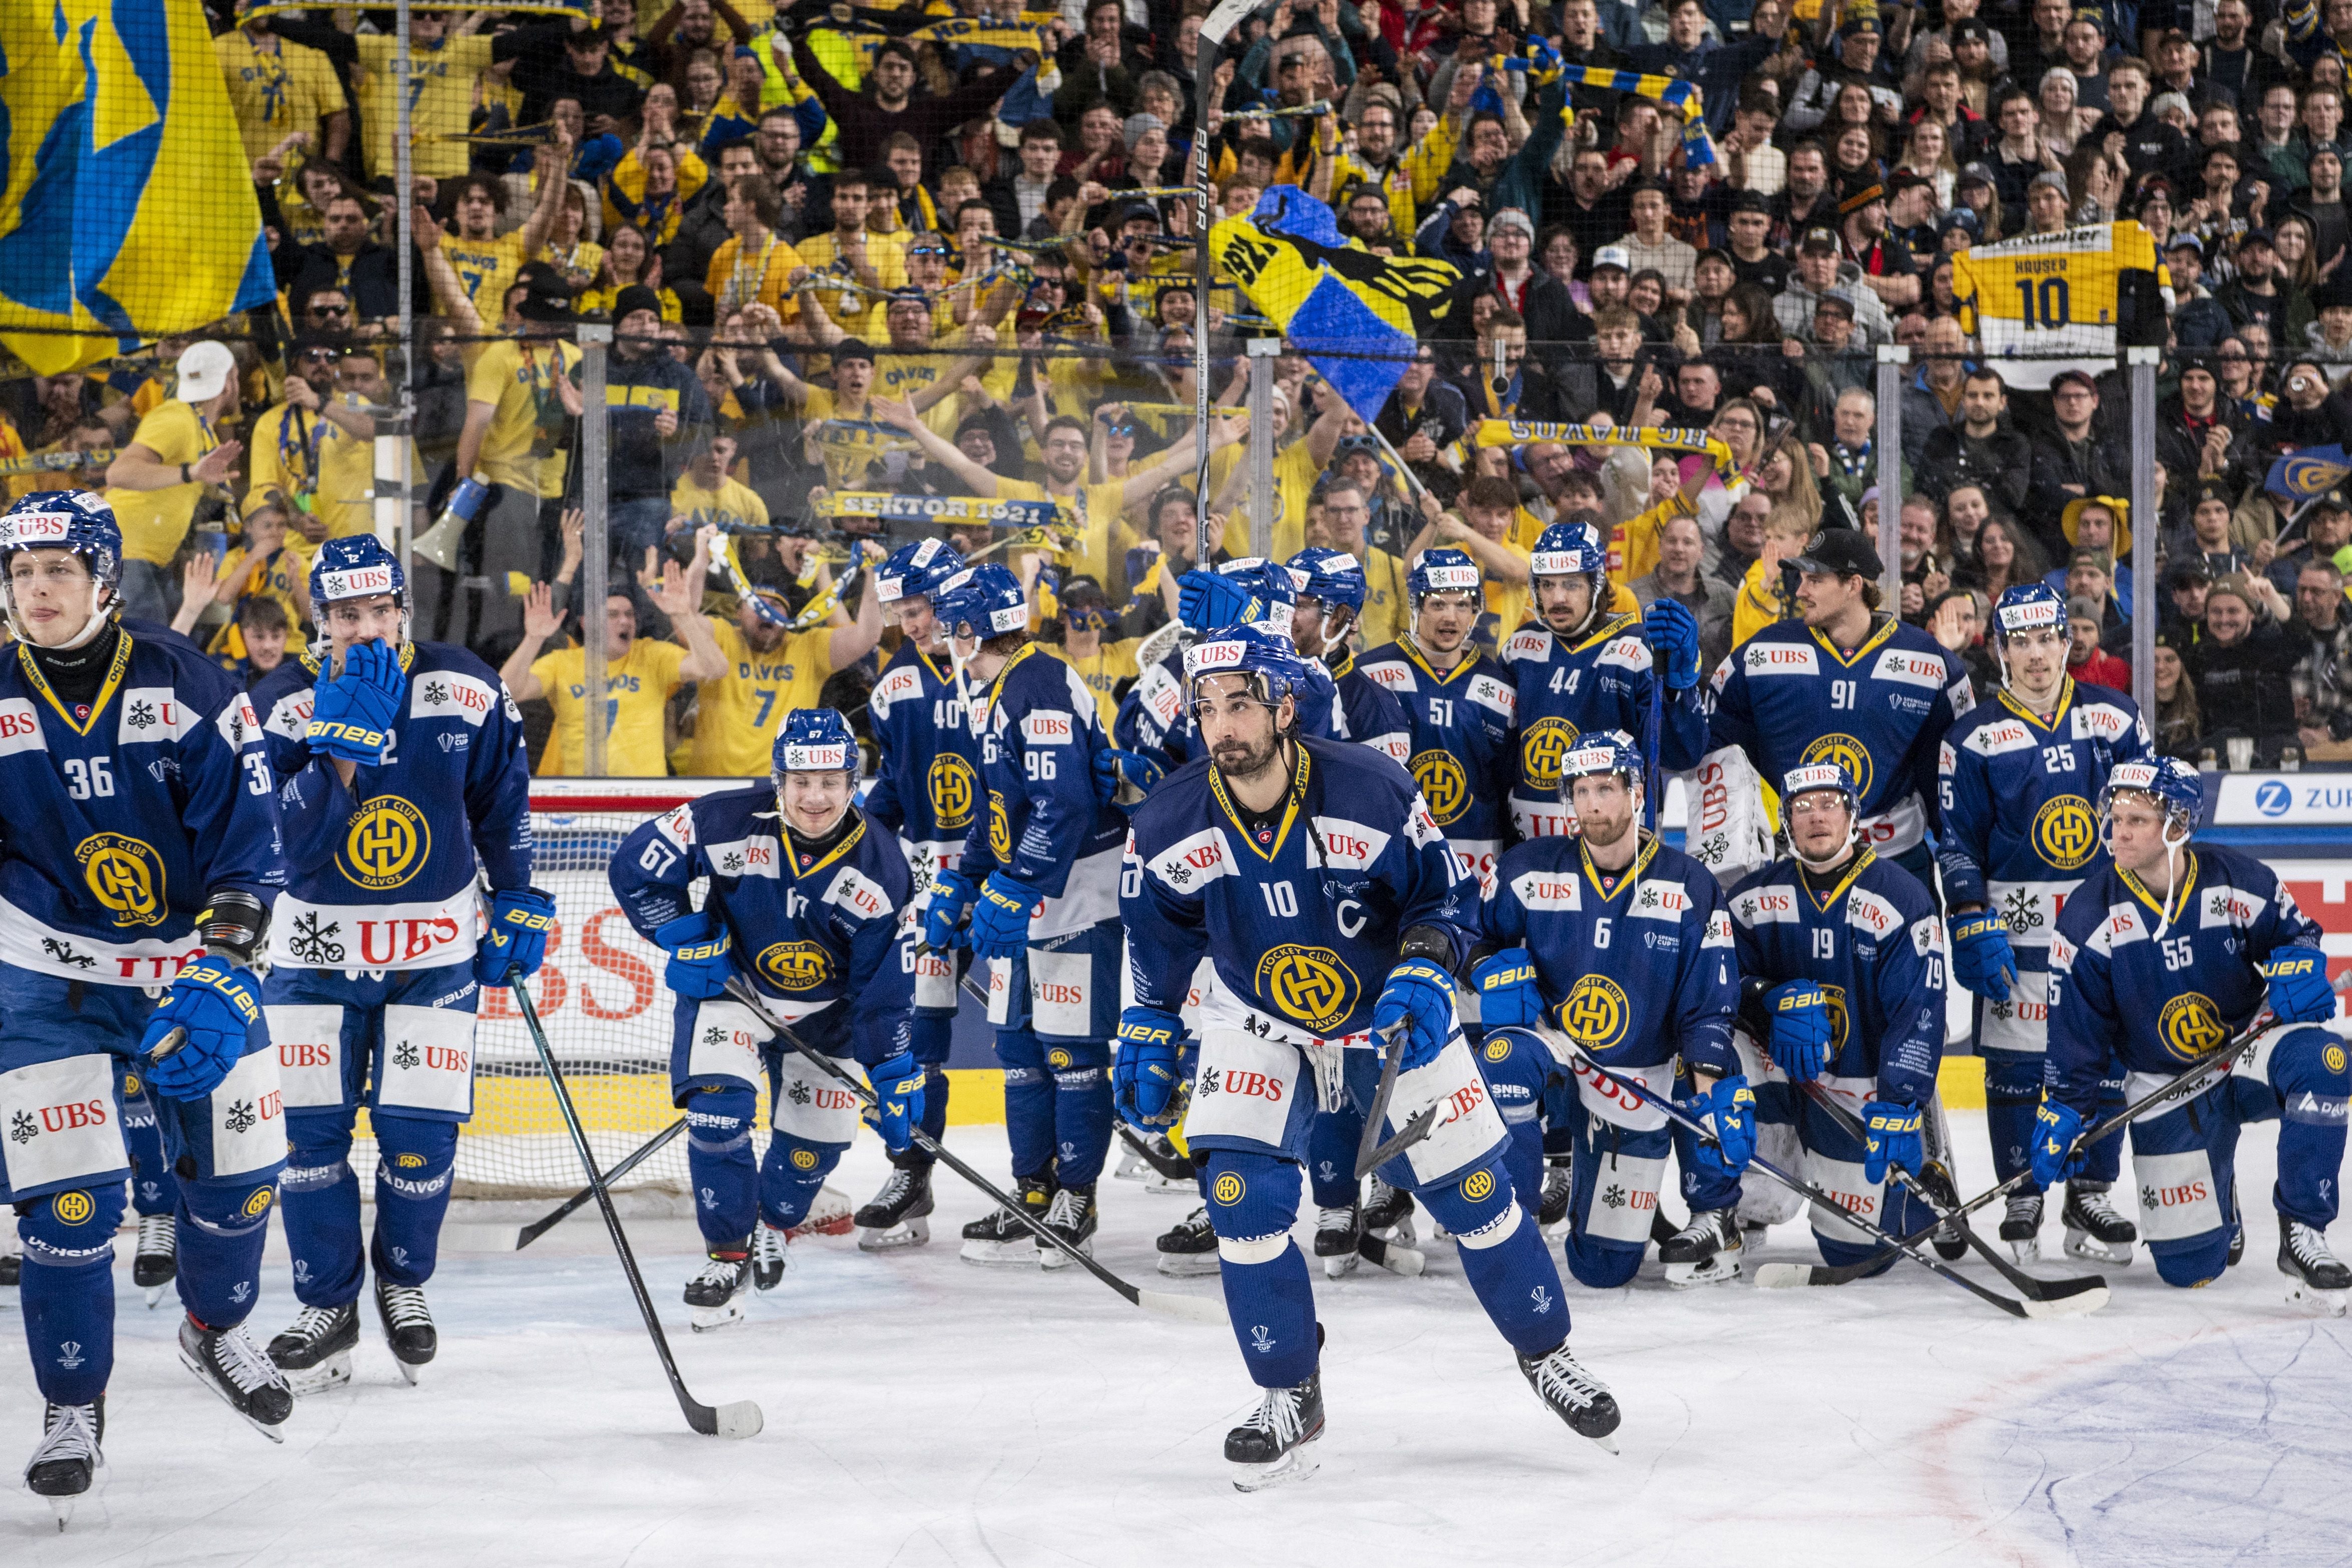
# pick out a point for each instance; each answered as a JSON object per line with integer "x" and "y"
{"x": 1615, "y": 256}
{"x": 204, "y": 368}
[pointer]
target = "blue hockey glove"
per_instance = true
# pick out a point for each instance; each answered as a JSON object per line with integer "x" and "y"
{"x": 1419, "y": 995}
{"x": 213, "y": 1001}
{"x": 1801, "y": 1029}
{"x": 952, "y": 893}
{"x": 1505, "y": 985}
{"x": 1890, "y": 1136}
{"x": 2055, "y": 1127}
{"x": 1672, "y": 632}
{"x": 353, "y": 714}
{"x": 1144, "y": 1079}
{"x": 898, "y": 1100}
{"x": 699, "y": 962}
{"x": 1124, "y": 778}
{"x": 521, "y": 922}
{"x": 1982, "y": 959}
{"x": 1728, "y": 1108}
{"x": 1207, "y": 601}
{"x": 2300, "y": 992}
{"x": 1000, "y": 919}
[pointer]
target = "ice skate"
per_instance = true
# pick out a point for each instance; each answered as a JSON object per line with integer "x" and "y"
{"x": 66, "y": 1460}
{"x": 1337, "y": 1232}
{"x": 1275, "y": 1446}
{"x": 769, "y": 1246}
{"x": 998, "y": 1237}
{"x": 1706, "y": 1251}
{"x": 1558, "y": 1187}
{"x": 1575, "y": 1395}
{"x": 2315, "y": 1275}
{"x": 233, "y": 1367}
{"x": 1072, "y": 1215}
{"x": 407, "y": 1326}
{"x": 156, "y": 1262}
{"x": 1190, "y": 1249}
{"x": 899, "y": 1215}
{"x": 1949, "y": 1242}
{"x": 1388, "y": 1213}
{"x": 830, "y": 1213}
{"x": 713, "y": 1296}
{"x": 2020, "y": 1226}
{"x": 2095, "y": 1229}
{"x": 314, "y": 1351}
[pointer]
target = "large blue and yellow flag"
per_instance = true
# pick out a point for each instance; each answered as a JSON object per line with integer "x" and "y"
{"x": 1355, "y": 314}
{"x": 128, "y": 210}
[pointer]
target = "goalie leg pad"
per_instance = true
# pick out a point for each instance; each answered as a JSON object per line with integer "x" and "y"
{"x": 719, "y": 1162}
{"x": 66, "y": 1289}
{"x": 1253, "y": 1204}
{"x": 416, "y": 1162}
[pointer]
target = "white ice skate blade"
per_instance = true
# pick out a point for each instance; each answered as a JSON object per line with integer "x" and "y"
{"x": 62, "y": 1508}
{"x": 332, "y": 1372}
{"x": 1694, "y": 1276}
{"x": 1606, "y": 1443}
{"x": 2335, "y": 1303}
{"x": 1154, "y": 1183}
{"x": 408, "y": 1373}
{"x": 2082, "y": 1244}
{"x": 155, "y": 1293}
{"x": 1055, "y": 1258}
{"x": 2027, "y": 1251}
{"x": 1189, "y": 1265}
{"x": 1018, "y": 1254}
{"x": 1338, "y": 1268}
{"x": 915, "y": 1232}
{"x": 272, "y": 1433}
{"x": 1295, "y": 1466}
{"x": 1132, "y": 1166}
{"x": 703, "y": 1319}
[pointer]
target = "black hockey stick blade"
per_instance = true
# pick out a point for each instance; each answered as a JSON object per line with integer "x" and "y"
{"x": 741, "y": 1418}
{"x": 1190, "y": 1308}
{"x": 586, "y": 1195}
{"x": 1175, "y": 1167}
{"x": 1393, "y": 1256}
{"x": 1371, "y": 1153}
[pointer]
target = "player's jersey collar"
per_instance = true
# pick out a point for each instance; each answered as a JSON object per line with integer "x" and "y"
{"x": 791, "y": 860}
{"x": 996, "y": 686}
{"x": 1825, "y": 902}
{"x": 2181, "y": 899}
{"x": 1614, "y": 625}
{"x": 2057, "y": 714}
{"x": 1884, "y": 630}
{"x": 309, "y": 656}
{"x": 1347, "y": 662}
{"x": 106, "y": 690}
{"x": 1411, "y": 650}
{"x": 1290, "y": 807}
{"x": 1625, "y": 879}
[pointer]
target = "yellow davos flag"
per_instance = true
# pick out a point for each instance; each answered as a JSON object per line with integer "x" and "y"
{"x": 128, "y": 211}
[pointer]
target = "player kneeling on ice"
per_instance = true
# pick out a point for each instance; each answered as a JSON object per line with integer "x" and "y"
{"x": 1622, "y": 944}
{"x": 807, "y": 900}
{"x": 1841, "y": 959}
{"x": 141, "y": 853}
{"x": 403, "y": 767}
{"x": 2168, "y": 955}
{"x": 1302, "y": 869}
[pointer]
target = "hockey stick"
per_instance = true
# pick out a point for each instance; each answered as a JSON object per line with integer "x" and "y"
{"x": 572, "y": 1204}
{"x": 2069, "y": 1307}
{"x": 2026, "y": 1284}
{"x": 1190, "y": 1309}
{"x": 1371, "y": 1153}
{"x": 740, "y": 1419}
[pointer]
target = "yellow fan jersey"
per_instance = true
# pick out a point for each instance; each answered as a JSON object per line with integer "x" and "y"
{"x": 737, "y": 716}
{"x": 2055, "y": 295}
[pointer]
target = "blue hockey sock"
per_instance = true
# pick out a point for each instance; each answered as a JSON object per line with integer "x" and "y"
{"x": 2104, "y": 1161}
{"x": 1082, "y": 1112}
{"x": 935, "y": 1106}
{"x": 416, "y": 1160}
{"x": 1503, "y": 1258}
{"x": 930, "y": 1037}
{"x": 790, "y": 1176}
{"x": 1253, "y": 1203}
{"x": 2311, "y": 1098}
{"x": 1028, "y": 1102}
{"x": 67, "y": 1290}
{"x": 223, "y": 1227}
{"x": 1331, "y": 1140}
{"x": 2012, "y": 1096}
{"x": 153, "y": 1189}
{"x": 719, "y": 1162}
{"x": 320, "y": 1194}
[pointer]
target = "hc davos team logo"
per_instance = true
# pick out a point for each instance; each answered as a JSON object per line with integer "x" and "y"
{"x": 1596, "y": 1011}
{"x": 2190, "y": 1026}
{"x": 2273, "y": 798}
{"x": 1547, "y": 742}
{"x": 999, "y": 828}
{"x": 1229, "y": 1189}
{"x": 1849, "y": 752}
{"x": 1445, "y": 785}
{"x": 2066, "y": 832}
{"x": 795, "y": 965}
{"x": 951, "y": 782}
{"x": 125, "y": 876}
{"x": 73, "y": 1208}
{"x": 1311, "y": 985}
{"x": 387, "y": 842}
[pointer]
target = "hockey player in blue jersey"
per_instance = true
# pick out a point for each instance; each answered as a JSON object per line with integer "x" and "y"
{"x": 1308, "y": 871}
{"x": 1153, "y": 721}
{"x": 154, "y": 1190}
{"x": 2018, "y": 778}
{"x": 1622, "y": 943}
{"x": 1459, "y": 703}
{"x": 1330, "y": 597}
{"x": 1039, "y": 881}
{"x": 139, "y": 853}
{"x": 2171, "y": 952}
{"x": 1847, "y": 683}
{"x": 808, "y": 902}
{"x": 1583, "y": 668}
{"x": 927, "y": 791}
{"x": 400, "y": 764}
{"x": 1841, "y": 965}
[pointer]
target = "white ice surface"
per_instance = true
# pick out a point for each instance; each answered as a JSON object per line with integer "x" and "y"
{"x": 923, "y": 1411}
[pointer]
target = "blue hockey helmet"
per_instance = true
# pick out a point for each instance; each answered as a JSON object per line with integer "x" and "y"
{"x": 1272, "y": 588}
{"x": 77, "y": 521}
{"x": 1602, "y": 751}
{"x": 1332, "y": 576}
{"x": 2029, "y": 606}
{"x": 356, "y": 567}
{"x": 2172, "y": 784}
{"x": 1268, "y": 661}
{"x": 986, "y": 598}
{"x": 1569, "y": 549}
{"x": 917, "y": 570}
{"x": 1444, "y": 571}
{"x": 814, "y": 741}
{"x": 1810, "y": 778}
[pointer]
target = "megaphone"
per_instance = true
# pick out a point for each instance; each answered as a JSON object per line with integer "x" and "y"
{"x": 440, "y": 544}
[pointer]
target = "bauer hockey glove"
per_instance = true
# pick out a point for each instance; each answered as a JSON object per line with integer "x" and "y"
{"x": 1144, "y": 1079}
{"x": 1672, "y": 633}
{"x": 1419, "y": 995}
{"x": 2055, "y": 1127}
{"x": 353, "y": 714}
{"x": 1505, "y": 985}
{"x": 2300, "y": 992}
{"x": 213, "y": 1001}
{"x": 520, "y": 919}
{"x": 898, "y": 1100}
{"x": 1000, "y": 919}
{"x": 699, "y": 962}
{"x": 1890, "y": 1136}
{"x": 951, "y": 892}
{"x": 1124, "y": 778}
{"x": 1982, "y": 959}
{"x": 1801, "y": 1029}
{"x": 1729, "y": 1109}
{"x": 1206, "y": 601}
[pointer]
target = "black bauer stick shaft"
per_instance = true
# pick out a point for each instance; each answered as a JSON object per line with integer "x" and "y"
{"x": 740, "y": 1419}
{"x": 1371, "y": 1153}
{"x": 1190, "y": 1309}
{"x": 572, "y": 1204}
